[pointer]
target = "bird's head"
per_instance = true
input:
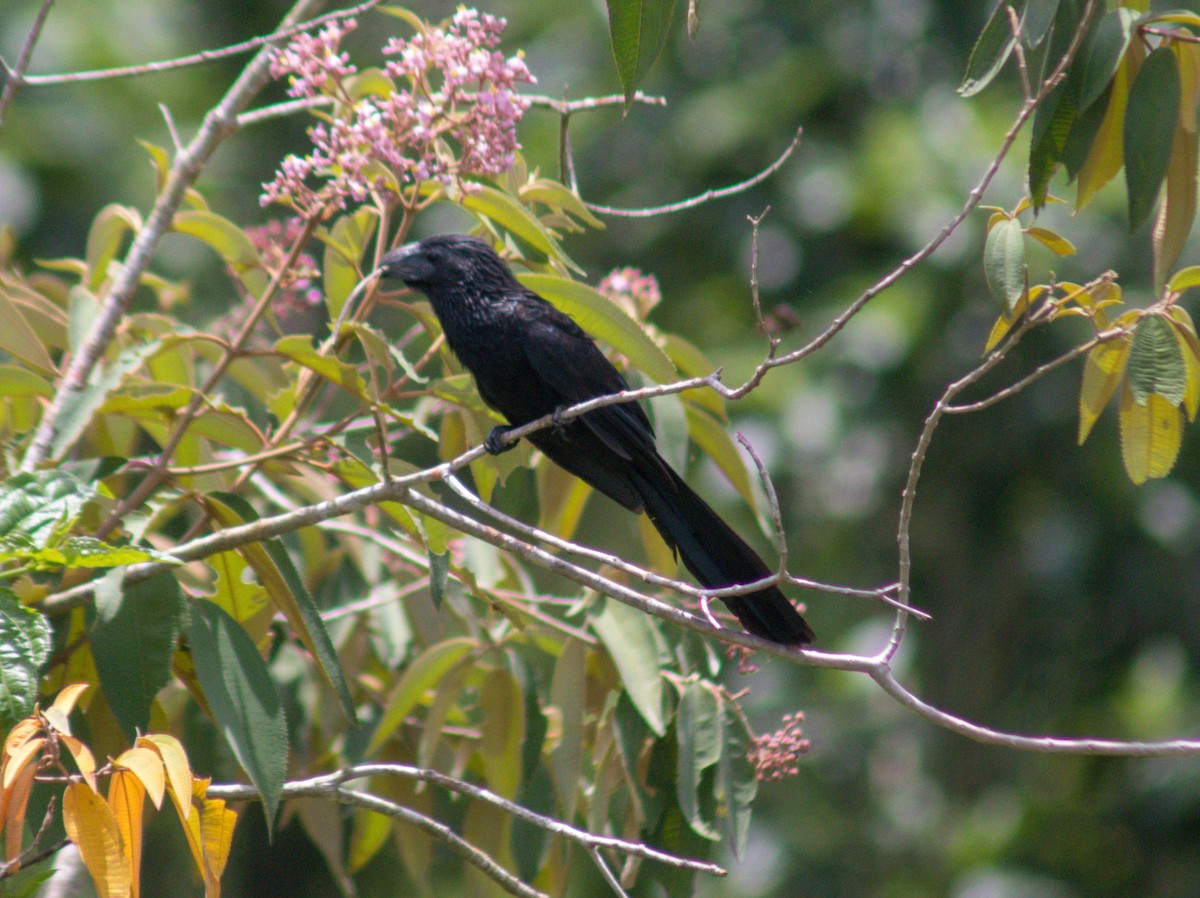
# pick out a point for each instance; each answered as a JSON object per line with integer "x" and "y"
{"x": 447, "y": 260}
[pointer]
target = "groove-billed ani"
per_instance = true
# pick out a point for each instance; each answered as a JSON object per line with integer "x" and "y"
{"x": 530, "y": 360}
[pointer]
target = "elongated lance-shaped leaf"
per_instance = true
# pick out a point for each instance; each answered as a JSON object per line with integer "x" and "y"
{"x": 628, "y": 635}
{"x": 1177, "y": 211}
{"x": 700, "y": 728}
{"x": 992, "y": 49}
{"x": 242, "y": 697}
{"x": 1102, "y": 374}
{"x": 1151, "y": 434}
{"x": 275, "y": 571}
{"x": 1151, "y": 118}
{"x": 638, "y": 29}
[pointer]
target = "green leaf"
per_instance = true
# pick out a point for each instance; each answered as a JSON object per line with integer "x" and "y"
{"x": 1156, "y": 362}
{"x": 230, "y": 243}
{"x": 638, "y": 30}
{"x": 502, "y": 733}
{"x": 502, "y": 209}
{"x": 699, "y": 726}
{"x": 568, "y": 689}
{"x": 423, "y": 674}
{"x": 560, "y": 198}
{"x": 604, "y": 320}
{"x": 991, "y": 50}
{"x": 1151, "y": 118}
{"x": 712, "y": 437}
{"x": 104, "y": 240}
{"x": 18, "y": 339}
{"x": 737, "y": 781}
{"x": 299, "y": 348}
{"x": 1004, "y": 263}
{"x": 24, "y": 648}
{"x": 39, "y": 504}
{"x": 242, "y": 698}
{"x": 79, "y": 407}
{"x": 133, "y": 639}
{"x": 628, "y": 634}
{"x": 283, "y": 583}
{"x": 439, "y": 574}
{"x": 1052, "y": 124}
{"x": 344, "y": 248}
{"x": 1035, "y": 24}
{"x": 1109, "y": 38}
{"x": 79, "y": 552}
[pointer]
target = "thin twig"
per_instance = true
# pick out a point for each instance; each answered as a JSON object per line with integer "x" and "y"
{"x": 218, "y": 124}
{"x": 328, "y": 784}
{"x": 15, "y": 77}
{"x": 204, "y": 56}
{"x": 706, "y": 196}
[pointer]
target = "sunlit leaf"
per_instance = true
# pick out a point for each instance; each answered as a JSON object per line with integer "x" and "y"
{"x": 567, "y": 694}
{"x": 18, "y": 339}
{"x": 629, "y": 637}
{"x": 502, "y": 731}
{"x": 1059, "y": 244}
{"x": 230, "y": 243}
{"x": 1184, "y": 279}
{"x": 175, "y": 763}
{"x": 1150, "y": 122}
{"x": 425, "y": 671}
{"x": 104, "y": 239}
{"x": 1177, "y": 211}
{"x": 127, "y": 800}
{"x": 1107, "y": 150}
{"x": 24, "y": 648}
{"x": 604, "y": 320}
{"x": 1151, "y": 434}
{"x": 1102, "y": 374}
{"x": 91, "y": 826}
{"x": 147, "y": 765}
{"x": 700, "y": 729}
{"x": 344, "y": 247}
{"x": 505, "y": 211}
{"x": 299, "y": 348}
{"x": 737, "y": 782}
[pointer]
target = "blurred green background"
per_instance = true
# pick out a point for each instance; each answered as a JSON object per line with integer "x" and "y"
{"x": 1064, "y": 598}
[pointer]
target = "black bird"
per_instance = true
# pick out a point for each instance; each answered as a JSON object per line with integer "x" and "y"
{"x": 530, "y": 360}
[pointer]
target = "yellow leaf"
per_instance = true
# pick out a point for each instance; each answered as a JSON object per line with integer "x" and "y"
{"x": 127, "y": 799}
{"x": 91, "y": 826}
{"x": 1150, "y": 436}
{"x": 1005, "y": 322}
{"x": 1107, "y": 153}
{"x": 1102, "y": 373}
{"x": 179, "y": 774}
{"x": 1188, "y": 57}
{"x": 16, "y": 800}
{"x": 1177, "y": 210}
{"x": 1191, "y": 363}
{"x": 22, "y": 731}
{"x": 68, "y": 696}
{"x": 83, "y": 758}
{"x": 147, "y": 766}
{"x": 209, "y": 831}
{"x": 15, "y": 763}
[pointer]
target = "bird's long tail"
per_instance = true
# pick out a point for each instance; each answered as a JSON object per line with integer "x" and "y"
{"x": 717, "y": 557}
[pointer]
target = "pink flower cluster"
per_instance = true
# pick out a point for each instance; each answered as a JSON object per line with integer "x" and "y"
{"x": 774, "y": 755}
{"x": 638, "y": 293}
{"x": 454, "y": 115}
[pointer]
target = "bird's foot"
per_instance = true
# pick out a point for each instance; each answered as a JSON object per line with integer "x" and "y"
{"x": 495, "y": 444}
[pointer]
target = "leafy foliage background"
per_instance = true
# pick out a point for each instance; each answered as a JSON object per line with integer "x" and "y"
{"x": 1064, "y": 598}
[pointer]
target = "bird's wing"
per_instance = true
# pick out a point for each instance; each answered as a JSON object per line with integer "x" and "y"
{"x": 567, "y": 360}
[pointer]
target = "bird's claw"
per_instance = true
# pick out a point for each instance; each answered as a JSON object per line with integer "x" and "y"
{"x": 560, "y": 426}
{"x": 495, "y": 444}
